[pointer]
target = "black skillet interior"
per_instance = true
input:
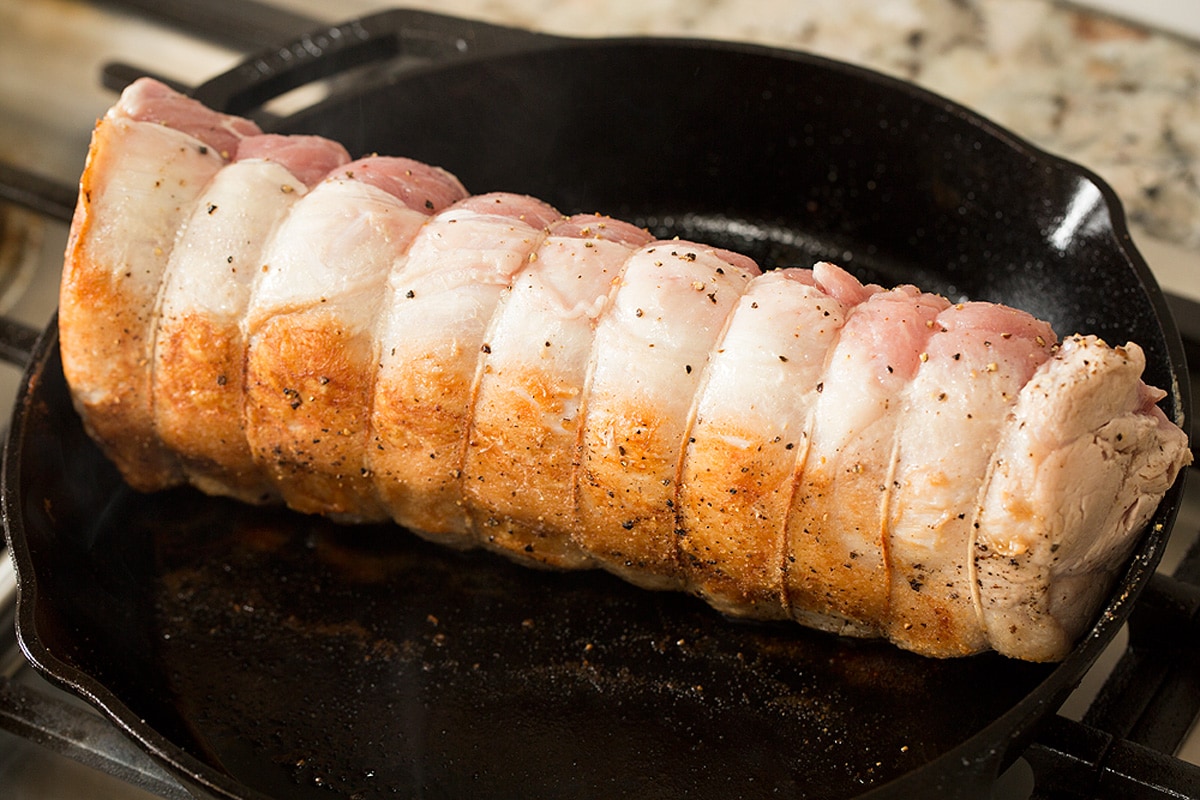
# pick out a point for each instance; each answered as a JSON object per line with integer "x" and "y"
{"x": 261, "y": 653}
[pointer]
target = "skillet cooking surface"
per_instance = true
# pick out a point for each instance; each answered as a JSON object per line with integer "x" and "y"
{"x": 302, "y": 657}
{"x": 260, "y": 651}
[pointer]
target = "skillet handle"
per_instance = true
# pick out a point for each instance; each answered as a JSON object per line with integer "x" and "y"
{"x": 17, "y": 342}
{"x": 376, "y": 38}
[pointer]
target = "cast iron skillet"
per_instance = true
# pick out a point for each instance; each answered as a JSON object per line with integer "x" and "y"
{"x": 258, "y": 653}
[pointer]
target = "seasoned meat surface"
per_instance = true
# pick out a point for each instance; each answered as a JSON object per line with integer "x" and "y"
{"x": 264, "y": 318}
{"x": 200, "y": 345}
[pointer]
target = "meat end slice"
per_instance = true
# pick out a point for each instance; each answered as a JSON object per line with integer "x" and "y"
{"x": 138, "y": 187}
{"x": 1082, "y": 460}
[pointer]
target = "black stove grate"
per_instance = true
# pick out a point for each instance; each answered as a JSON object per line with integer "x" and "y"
{"x": 1143, "y": 712}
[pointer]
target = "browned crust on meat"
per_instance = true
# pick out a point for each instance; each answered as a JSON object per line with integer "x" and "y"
{"x": 421, "y": 416}
{"x": 733, "y": 502}
{"x": 928, "y": 610}
{"x": 308, "y": 390}
{"x": 836, "y": 564}
{"x": 104, "y": 331}
{"x": 519, "y": 471}
{"x": 931, "y": 619}
{"x": 199, "y": 397}
{"x": 626, "y": 491}
{"x": 759, "y": 531}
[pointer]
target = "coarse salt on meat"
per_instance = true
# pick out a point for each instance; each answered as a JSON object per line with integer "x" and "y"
{"x": 150, "y": 157}
{"x": 313, "y": 352}
{"x": 432, "y": 341}
{"x": 519, "y": 473}
{"x": 200, "y": 348}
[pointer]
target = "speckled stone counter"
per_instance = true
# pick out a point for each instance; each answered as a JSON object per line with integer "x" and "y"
{"x": 1117, "y": 98}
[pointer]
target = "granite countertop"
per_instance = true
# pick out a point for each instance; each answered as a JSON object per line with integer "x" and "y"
{"x": 1119, "y": 99}
{"x": 1122, "y": 100}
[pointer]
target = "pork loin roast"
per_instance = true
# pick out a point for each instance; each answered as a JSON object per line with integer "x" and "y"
{"x": 262, "y": 317}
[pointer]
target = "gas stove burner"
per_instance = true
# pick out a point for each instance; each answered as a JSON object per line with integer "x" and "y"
{"x": 22, "y": 234}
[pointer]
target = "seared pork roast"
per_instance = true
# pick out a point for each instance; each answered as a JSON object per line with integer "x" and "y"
{"x": 262, "y": 317}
